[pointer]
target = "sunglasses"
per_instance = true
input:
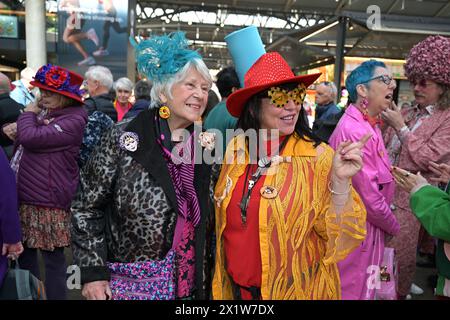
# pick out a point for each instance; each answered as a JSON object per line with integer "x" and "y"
{"x": 421, "y": 83}
{"x": 280, "y": 97}
{"x": 384, "y": 78}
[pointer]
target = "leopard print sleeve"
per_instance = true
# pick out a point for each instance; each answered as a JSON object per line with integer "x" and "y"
{"x": 95, "y": 192}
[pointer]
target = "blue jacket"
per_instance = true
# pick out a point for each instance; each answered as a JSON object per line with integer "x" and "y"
{"x": 9, "y": 216}
{"x": 21, "y": 94}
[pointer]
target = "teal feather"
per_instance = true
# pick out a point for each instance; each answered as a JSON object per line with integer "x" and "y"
{"x": 160, "y": 57}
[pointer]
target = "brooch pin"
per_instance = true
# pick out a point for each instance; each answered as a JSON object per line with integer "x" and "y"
{"x": 225, "y": 192}
{"x": 129, "y": 141}
{"x": 207, "y": 140}
{"x": 268, "y": 192}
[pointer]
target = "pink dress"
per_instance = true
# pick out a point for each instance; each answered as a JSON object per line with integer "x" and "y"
{"x": 375, "y": 184}
{"x": 428, "y": 140}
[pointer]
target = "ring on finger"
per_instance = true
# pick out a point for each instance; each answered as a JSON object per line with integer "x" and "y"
{"x": 407, "y": 174}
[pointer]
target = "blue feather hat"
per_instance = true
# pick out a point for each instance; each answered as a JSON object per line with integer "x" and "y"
{"x": 160, "y": 57}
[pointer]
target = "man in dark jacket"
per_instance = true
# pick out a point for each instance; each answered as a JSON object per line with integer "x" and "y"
{"x": 100, "y": 108}
{"x": 9, "y": 112}
{"x": 99, "y": 81}
{"x": 327, "y": 113}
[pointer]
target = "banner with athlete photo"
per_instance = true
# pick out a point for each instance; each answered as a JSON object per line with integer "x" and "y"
{"x": 93, "y": 32}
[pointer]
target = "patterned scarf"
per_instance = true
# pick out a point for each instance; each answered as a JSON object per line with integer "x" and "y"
{"x": 180, "y": 162}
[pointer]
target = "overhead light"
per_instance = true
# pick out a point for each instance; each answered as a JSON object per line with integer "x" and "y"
{"x": 319, "y": 31}
{"x": 350, "y": 26}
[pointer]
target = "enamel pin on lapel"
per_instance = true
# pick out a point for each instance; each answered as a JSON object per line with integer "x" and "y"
{"x": 129, "y": 141}
{"x": 268, "y": 192}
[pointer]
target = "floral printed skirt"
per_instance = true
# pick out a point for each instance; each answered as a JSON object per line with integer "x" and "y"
{"x": 45, "y": 228}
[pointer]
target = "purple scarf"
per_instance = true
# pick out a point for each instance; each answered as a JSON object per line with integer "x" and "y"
{"x": 182, "y": 172}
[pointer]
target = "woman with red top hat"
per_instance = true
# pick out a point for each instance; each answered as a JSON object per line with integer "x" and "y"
{"x": 284, "y": 218}
{"x": 50, "y": 132}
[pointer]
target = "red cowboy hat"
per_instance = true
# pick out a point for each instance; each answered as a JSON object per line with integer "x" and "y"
{"x": 59, "y": 80}
{"x": 268, "y": 71}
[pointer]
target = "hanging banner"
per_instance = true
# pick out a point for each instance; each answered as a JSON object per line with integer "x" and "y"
{"x": 93, "y": 32}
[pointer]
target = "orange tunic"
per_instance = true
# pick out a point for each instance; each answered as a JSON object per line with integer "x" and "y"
{"x": 301, "y": 237}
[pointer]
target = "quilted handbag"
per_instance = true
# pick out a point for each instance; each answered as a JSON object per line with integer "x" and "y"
{"x": 149, "y": 280}
{"x": 388, "y": 276}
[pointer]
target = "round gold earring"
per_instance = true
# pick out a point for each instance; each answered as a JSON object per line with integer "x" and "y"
{"x": 164, "y": 112}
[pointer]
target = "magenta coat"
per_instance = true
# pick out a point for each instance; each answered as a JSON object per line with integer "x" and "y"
{"x": 375, "y": 184}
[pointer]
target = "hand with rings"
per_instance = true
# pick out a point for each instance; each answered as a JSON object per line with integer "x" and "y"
{"x": 407, "y": 180}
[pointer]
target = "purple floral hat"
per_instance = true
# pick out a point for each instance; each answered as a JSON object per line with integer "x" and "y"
{"x": 430, "y": 59}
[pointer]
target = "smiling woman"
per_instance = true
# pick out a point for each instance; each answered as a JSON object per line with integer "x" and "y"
{"x": 158, "y": 213}
{"x": 293, "y": 208}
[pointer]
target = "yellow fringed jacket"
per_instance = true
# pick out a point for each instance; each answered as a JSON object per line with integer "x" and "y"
{"x": 301, "y": 238}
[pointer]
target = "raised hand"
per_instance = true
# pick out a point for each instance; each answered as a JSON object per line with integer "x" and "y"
{"x": 407, "y": 180}
{"x": 393, "y": 117}
{"x": 348, "y": 158}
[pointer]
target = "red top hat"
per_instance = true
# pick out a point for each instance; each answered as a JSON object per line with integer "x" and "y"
{"x": 59, "y": 80}
{"x": 268, "y": 71}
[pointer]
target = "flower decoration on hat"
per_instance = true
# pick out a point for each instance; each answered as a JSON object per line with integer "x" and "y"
{"x": 160, "y": 57}
{"x": 57, "y": 78}
{"x": 430, "y": 59}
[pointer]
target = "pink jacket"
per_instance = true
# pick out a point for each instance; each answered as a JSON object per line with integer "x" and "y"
{"x": 375, "y": 184}
{"x": 429, "y": 142}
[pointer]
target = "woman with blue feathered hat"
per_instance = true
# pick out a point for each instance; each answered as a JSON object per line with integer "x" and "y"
{"x": 142, "y": 216}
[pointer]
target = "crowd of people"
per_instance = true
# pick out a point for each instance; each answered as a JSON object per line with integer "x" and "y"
{"x": 118, "y": 173}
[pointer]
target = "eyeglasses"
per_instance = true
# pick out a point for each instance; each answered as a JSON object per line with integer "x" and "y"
{"x": 421, "y": 83}
{"x": 280, "y": 97}
{"x": 385, "y": 78}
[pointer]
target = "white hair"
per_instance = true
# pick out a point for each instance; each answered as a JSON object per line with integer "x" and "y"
{"x": 165, "y": 87}
{"x": 330, "y": 85}
{"x": 27, "y": 73}
{"x": 100, "y": 74}
{"x": 124, "y": 84}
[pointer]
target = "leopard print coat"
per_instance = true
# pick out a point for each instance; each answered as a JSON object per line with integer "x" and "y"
{"x": 125, "y": 208}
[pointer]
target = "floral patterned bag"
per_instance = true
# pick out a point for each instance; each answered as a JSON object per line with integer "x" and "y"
{"x": 149, "y": 280}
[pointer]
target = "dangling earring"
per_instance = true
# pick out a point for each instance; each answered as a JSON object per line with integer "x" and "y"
{"x": 164, "y": 112}
{"x": 363, "y": 105}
